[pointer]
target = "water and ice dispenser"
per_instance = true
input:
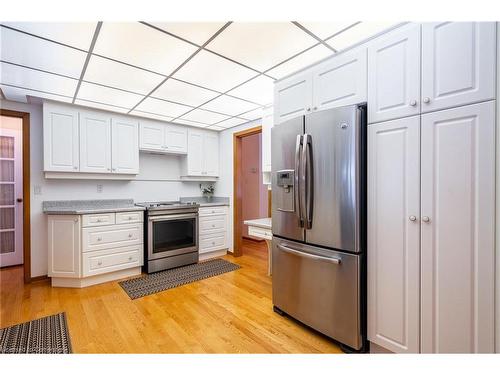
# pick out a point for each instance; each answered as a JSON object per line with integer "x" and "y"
{"x": 285, "y": 181}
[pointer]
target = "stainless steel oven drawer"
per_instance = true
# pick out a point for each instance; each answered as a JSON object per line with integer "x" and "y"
{"x": 320, "y": 288}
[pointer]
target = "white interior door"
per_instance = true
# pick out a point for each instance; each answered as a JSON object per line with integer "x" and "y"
{"x": 11, "y": 192}
{"x": 458, "y": 230}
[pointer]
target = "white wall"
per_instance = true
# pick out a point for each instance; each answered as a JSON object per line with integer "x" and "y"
{"x": 497, "y": 244}
{"x": 224, "y": 186}
{"x": 154, "y": 169}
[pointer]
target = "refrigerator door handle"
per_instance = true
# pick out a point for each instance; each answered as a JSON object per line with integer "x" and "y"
{"x": 308, "y": 191}
{"x": 299, "y": 253}
{"x": 296, "y": 188}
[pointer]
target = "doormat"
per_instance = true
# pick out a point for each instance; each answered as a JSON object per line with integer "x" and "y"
{"x": 168, "y": 279}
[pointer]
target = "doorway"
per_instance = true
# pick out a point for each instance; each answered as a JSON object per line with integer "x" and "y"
{"x": 250, "y": 194}
{"x": 14, "y": 191}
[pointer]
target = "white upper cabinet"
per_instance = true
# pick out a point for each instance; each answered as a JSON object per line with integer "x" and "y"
{"x": 163, "y": 138}
{"x": 394, "y": 234}
{"x": 125, "y": 145}
{"x": 458, "y": 64}
{"x": 95, "y": 142}
{"x": 203, "y": 154}
{"x": 340, "y": 80}
{"x": 267, "y": 125}
{"x": 293, "y": 97}
{"x": 458, "y": 230}
{"x": 394, "y": 75}
{"x": 152, "y": 136}
{"x": 60, "y": 139}
{"x": 176, "y": 139}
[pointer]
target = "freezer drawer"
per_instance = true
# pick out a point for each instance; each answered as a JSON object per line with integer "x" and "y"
{"x": 320, "y": 288}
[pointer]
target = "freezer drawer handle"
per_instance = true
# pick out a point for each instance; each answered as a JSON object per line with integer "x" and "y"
{"x": 310, "y": 256}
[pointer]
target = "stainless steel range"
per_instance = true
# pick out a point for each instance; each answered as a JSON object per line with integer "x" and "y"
{"x": 170, "y": 235}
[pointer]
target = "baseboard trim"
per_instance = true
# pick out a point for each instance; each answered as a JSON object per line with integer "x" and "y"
{"x": 39, "y": 278}
{"x": 67, "y": 282}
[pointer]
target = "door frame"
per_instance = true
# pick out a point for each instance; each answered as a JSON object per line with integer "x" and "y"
{"x": 25, "y": 116}
{"x": 237, "y": 176}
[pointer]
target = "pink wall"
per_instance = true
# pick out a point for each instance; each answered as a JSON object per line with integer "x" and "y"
{"x": 254, "y": 193}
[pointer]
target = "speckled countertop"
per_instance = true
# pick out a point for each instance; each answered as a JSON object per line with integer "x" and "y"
{"x": 78, "y": 207}
{"x": 206, "y": 202}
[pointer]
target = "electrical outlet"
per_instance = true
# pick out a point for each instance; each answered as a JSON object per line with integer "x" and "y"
{"x": 37, "y": 190}
{"x": 99, "y": 188}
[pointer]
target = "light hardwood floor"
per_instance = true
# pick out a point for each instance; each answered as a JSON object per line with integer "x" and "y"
{"x": 230, "y": 313}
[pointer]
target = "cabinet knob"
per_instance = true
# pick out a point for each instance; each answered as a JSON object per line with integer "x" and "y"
{"x": 75, "y": 220}
{"x": 213, "y": 243}
{"x": 99, "y": 239}
{"x": 413, "y": 218}
{"x": 130, "y": 217}
{"x": 309, "y": 109}
{"x": 427, "y": 99}
{"x": 130, "y": 235}
{"x": 99, "y": 263}
{"x": 114, "y": 169}
{"x": 129, "y": 258}
{"x": 315, "y": 108}
{"x": 425, "y": 219}
{"x": 213, "y": 225}
{"x": 75, "y": 168}
{"x": 413, "y": 103}
{"x": 99, "y": 220}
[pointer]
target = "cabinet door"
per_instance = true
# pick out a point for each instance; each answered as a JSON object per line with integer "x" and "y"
{"x": 125, "y": 145}
{"x": 176, "y": 139}
{"x": 394, "y": 75}
{"x": 267, "y": 125}
{"x": 340, "y": 80}
{"x": 458, "y": 63}
{"x": 152, "y": 136}
{"x": 293, "y": 97}
{"x": 393, "y": 234}
{"x": 458, "y": 217}
{"x": 64, "y": 246}
{"x": 60, "y": 139}
{"x": 211, "y": 154}
{"x": 95, "y": 142}
{"x": 195, "y": 162}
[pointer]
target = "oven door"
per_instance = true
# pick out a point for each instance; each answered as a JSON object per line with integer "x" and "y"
{"x": 170, "y": 235}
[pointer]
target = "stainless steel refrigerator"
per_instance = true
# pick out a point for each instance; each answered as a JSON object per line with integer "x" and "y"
{"x": 318, "y": 220}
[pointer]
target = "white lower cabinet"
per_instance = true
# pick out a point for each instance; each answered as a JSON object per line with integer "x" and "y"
{"x": 394, "y": 234}
{"x": 90, "y": 249}
{"x": 451, "y": 210}
{"x": 213, "y": 229}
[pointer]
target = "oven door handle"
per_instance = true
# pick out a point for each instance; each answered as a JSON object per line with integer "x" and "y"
{"x": 172, "y": 217}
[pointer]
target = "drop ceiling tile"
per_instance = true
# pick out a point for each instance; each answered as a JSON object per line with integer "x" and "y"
{"x": 191, "y": 123}
{"x": 252, "y": 115}
{"x": 205, "y": 117}
{"x": 19, "y": 95}
{"x": 143, "y": 46}
{"x": 19, "y": 48}
{"x": 75, "y": 34}
{"x": 258, "y": 90}
{"x": 326, "y": 29}
{"x": 181, "y": 92}
{"x": 215, "y": 127}
{"x": 261, "y": 45}
{"x": 105, "y": 107}
{"x": 196, "y": 32}
{"x": 162, "y": 107}
{"x": 106, "y": 95}
{"x": 229, "y": 105}
{"x": 35, "y": 80}
{"x": 357, "y": 34}
{"x": 209, "y": 70}
{"x": 229, "y": 123}
{"x": 151, "y": 115}
{"x": 111, "y": 73}
{"x": 301, "y": 61}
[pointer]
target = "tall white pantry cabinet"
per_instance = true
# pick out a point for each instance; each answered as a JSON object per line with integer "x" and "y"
{"x": 431, "y": 188}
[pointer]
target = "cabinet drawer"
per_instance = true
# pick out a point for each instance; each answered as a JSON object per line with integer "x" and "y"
{"x": 210, "y": 224}
{"x": 110, "y": 260}
{"x": 111, "y": 236}
{"x": 94, "y": 220}
{"x": 208, "y": 211}
{"x": 129, "y": 217}
{"x": 212, "y": 243}
{"x": 260, "y": 232}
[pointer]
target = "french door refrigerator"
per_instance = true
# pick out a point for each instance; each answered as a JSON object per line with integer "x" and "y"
{"x": 318, "y": 220}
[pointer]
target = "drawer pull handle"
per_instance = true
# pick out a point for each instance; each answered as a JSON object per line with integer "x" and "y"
{"x": 99, "y": 263}
{"x": 99, "y": 239}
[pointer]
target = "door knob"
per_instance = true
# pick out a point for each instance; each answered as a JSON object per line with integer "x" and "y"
{"x": 425, "y": 219}
{"x": 427, "y": 99}
{"x": 413, "y": 218}
{"x": 19, "y": 200}
{"x": 413, "y": 103}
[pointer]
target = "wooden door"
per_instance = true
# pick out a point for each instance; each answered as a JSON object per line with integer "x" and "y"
{"x": 394, "y": 234}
